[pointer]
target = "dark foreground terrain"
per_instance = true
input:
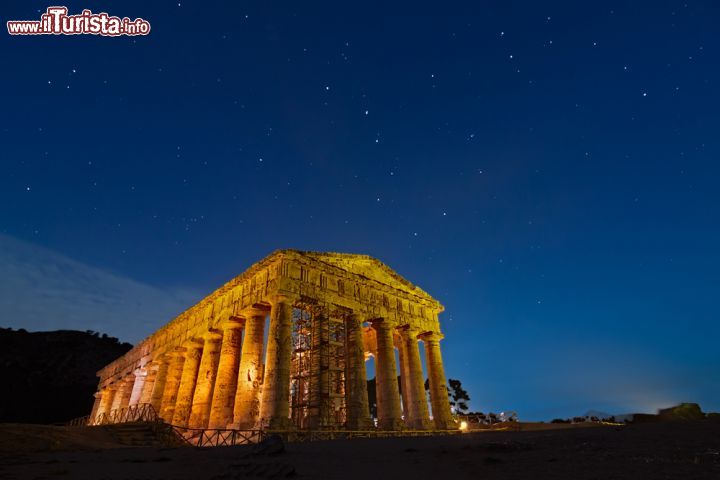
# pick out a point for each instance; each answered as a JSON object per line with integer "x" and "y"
{"x": 51, "y": 375}
{"x": 684, "y": 450}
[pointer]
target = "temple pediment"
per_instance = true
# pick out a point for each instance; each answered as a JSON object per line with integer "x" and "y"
{"x": 367, "y": 267}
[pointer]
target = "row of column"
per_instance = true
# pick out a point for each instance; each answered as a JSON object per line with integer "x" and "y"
{"x": 415, "y": 406}
{"x": 210, "y": 382}
{"x": 217, "y": 381}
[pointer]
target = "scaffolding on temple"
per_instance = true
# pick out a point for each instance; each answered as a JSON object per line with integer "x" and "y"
{"x": 317, "y": 378}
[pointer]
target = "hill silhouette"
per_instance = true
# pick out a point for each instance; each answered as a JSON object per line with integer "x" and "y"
{"x": 49, "y": 377}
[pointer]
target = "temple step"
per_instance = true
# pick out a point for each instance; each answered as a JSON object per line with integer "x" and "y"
{"x": 139, "y": 434}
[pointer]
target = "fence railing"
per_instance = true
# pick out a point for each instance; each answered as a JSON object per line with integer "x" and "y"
{"x": 206, "y": 437}
{"x": 228, "y": 437}
{"x": 142, "y": 412}
{"x": 79, "y": 422}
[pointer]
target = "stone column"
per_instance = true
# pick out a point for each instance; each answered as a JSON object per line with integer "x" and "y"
{"x": 438, "y": 384}
{"x": 388, "y": 394}
{"x": 404, "y": 394}
{"x": 186, "y": 389}
{"x": 418, "y": 417}
{"x": 148, "y": 386}
{"x": 202, "y": 400}
{"x": 122, "y": 396}
{"x": 275, "y": 404}
{"x": 172, "y": 383}
{"x": 247, "y": 399}
{"x": 223, "y": 399}
{"x": 358, "y": 411}
{"x": 108, "y": 396}
{"x": 158, "y": 390}
{"x": 138, "y": 385}
{"x": 96, "y": 407}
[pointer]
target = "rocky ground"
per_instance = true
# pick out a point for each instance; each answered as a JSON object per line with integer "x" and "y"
{"x": 672, "y": 450}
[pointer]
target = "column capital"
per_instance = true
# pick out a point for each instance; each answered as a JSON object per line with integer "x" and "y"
{"x": 140, "y": 372}
{"x": 409, "y": 331}
{"x": 250, "y": 312}
{"x": 213, "y": 334}
{"x": 174, "y": 353}
{"x": 380, "y": 324}
{"x": 151, "y": 364}
{"x": 431, "y": 336}
{"x": 232, "y": 323}
{"x": 161, "y": 359}
{"x": 283, "y": 298}
{"x": 191, "y": 345}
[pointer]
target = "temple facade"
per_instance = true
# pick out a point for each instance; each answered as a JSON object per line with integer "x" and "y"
{"x": 284, "y": 346}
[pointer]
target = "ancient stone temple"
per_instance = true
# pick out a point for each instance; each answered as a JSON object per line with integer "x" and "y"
{"x": 284, "y": 346}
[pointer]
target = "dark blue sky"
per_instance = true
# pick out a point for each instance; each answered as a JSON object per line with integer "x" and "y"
{"x": 547, "y": 170}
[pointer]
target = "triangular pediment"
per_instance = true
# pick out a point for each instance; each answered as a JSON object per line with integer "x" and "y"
{"x": 368, "y": 267}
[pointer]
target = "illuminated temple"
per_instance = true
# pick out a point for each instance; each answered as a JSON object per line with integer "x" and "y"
{"x": 284, "y": 346}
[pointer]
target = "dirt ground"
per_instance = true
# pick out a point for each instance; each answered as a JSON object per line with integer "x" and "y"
{"x": 685, "y": 450}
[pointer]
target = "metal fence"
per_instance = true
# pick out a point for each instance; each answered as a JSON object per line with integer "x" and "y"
{"x": 204, "y": 437}
{"x": 142, "y": 412}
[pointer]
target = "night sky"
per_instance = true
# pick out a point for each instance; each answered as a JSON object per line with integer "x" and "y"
{"x": 547, "y": 170}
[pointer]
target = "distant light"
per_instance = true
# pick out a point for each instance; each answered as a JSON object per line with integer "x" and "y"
{"x": 463, "y": 425}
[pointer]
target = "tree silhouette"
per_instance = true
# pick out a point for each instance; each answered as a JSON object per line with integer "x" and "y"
{"x": 457, "y": 395}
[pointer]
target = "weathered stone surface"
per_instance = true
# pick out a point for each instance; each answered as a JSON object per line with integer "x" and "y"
{"x": 358, "y": 411}
{"x": 438, "y": 384}
{"x": 122, "y": 395}
{"x": 275, "y": 406}
{"x": 207, "y": 372}
{"x": 388, "y": 394}
{"x": 156, "y": 397}
{"x": 172, "y": 384}
{"x": 138, "y": 385}
{"x": 247, "y": 399}
{"x": 221, "y": 411}
{"x": 313, "y": 374}
{"x": 186, "y": 389}
{"x": 149, "y": 383}
{"x": 417, "y": 416}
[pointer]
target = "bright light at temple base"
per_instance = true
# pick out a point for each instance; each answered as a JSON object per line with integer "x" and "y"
{"x": 463, "y": 426}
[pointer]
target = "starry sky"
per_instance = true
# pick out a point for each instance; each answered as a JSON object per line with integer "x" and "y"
{"x": 547, "y": 170}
